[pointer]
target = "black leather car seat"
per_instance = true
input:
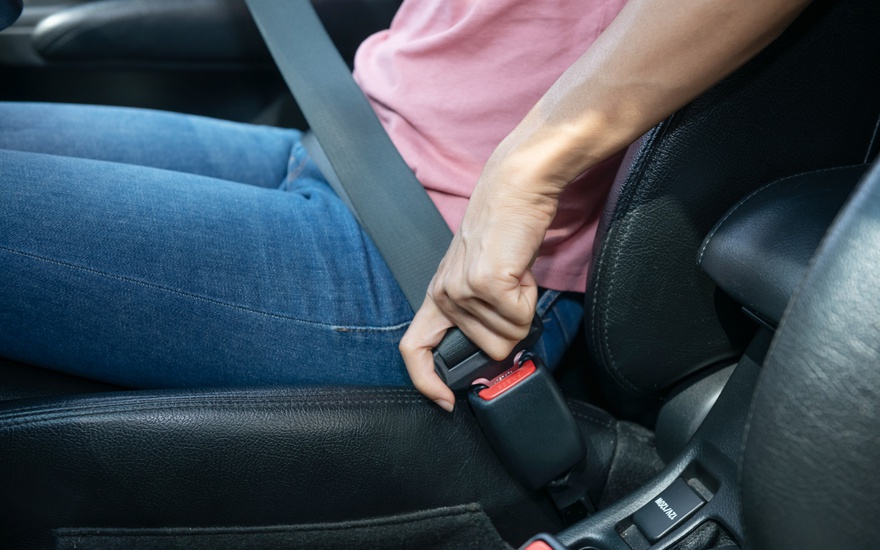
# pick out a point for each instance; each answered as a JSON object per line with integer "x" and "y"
{"x": 808, "y": 102}
{"x": 786, "y": 458}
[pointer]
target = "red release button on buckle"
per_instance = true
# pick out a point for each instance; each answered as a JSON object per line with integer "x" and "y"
{"x": 538, "y": 545}
{"x": 507, "y": 380}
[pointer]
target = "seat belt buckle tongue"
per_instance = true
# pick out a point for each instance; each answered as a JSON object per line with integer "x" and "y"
{"x": 459, "y": 362}
{"x": 528, "y": 423}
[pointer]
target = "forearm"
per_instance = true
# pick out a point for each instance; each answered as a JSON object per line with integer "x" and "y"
{"x": 653, "y": 59}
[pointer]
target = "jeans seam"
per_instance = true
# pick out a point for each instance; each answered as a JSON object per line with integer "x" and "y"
{"x": 337, "y": 328}
{"x": 387, "y": 328}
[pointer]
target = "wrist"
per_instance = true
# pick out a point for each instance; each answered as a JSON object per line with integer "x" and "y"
{"x": 514, "y": 192}
{"x": 544, "y": 155}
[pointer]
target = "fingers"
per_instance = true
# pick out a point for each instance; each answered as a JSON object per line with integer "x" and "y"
{"x": 430, "y": 325}
{"x": 483, "y": 286}
{"x": 496, "y": 343}
{"x": 496, "y": 322}
{"x": 500, "y": 299}
{"x": 427, "y": 329}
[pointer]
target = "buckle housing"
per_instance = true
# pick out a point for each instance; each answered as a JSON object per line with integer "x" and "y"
{"x": 528, "y": 423}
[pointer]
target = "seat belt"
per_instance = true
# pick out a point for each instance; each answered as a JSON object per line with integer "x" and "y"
{"x": 355, "y": 154}
{"x": 380, "y": 189}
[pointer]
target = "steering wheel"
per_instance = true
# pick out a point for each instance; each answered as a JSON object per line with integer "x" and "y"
{"x": 809, "y": 472}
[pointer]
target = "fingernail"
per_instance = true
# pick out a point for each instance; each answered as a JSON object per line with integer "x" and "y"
{"x": 445, "y": 405}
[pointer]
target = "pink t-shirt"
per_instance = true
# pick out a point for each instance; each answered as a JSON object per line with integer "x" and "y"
{"x": 451, "y": 78}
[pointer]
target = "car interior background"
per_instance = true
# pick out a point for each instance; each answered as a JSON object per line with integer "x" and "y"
{"x": 697, "y": 376}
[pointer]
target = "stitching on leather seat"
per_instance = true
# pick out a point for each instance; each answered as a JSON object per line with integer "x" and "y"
{"x": 247, "y": 394}
{"x": 756, "y": 192}
{"x": 592, "y": 420}
{"x": 650, "y": 144}
{"x": 464, "y": 510}
{"x": 62, "y": 414}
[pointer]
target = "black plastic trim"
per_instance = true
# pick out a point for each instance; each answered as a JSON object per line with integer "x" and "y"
{"x": 708, "y": 462}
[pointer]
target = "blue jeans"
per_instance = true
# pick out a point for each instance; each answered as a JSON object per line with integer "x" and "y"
{"x": 153, "y": 249}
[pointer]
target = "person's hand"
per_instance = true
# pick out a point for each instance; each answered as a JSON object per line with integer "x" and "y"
{"x": 648, "y": 63}
{"x": 484, "y": 285}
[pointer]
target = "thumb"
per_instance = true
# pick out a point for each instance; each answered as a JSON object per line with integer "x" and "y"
{"x": 424, "y": 333}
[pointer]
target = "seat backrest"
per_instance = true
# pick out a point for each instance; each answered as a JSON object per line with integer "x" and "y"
{"x": 809, "y": 469}
{"x": 809, "y": 101}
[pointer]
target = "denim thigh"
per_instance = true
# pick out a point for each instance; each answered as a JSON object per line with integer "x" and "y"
{"x": 243, "y": 153}
{"x": 152, "y": 278}
{"x": 132, "y": 253}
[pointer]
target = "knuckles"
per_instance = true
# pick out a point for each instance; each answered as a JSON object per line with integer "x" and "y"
{"x": 482, "y": 281}
{"x": 457, "y": 293}
{"x": 522, "y": 319}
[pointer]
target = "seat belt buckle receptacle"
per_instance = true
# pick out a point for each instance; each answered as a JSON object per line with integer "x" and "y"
{"x": 543, "y": 541}
{"x": 528, "y": 423}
